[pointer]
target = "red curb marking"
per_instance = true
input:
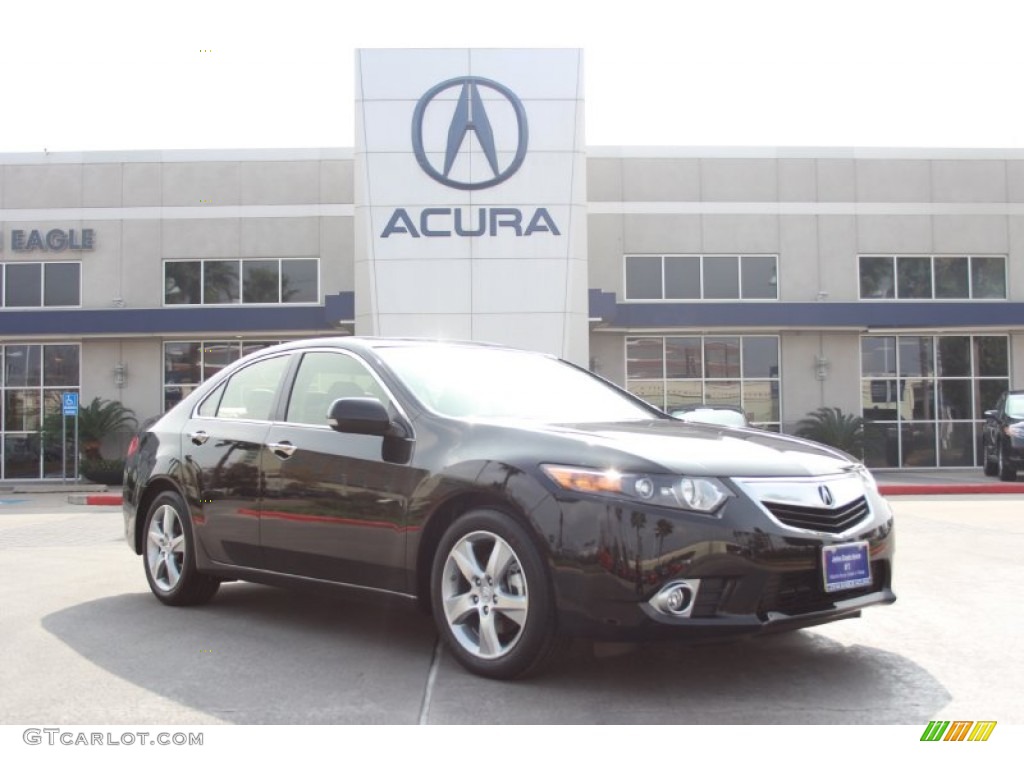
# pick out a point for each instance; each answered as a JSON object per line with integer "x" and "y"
{"x": 952, "y": 488}
{"x": 101, "y": 500}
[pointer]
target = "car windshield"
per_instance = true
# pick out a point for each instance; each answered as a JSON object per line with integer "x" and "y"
{"x": 1015, "y": 406}
{"x": 471, "y": 382}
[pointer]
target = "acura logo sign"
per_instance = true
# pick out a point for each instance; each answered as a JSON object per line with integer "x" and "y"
{"x": 475, "y": 100}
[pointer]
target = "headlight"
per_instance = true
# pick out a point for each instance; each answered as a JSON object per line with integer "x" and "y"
{"x": 696, "y": 494}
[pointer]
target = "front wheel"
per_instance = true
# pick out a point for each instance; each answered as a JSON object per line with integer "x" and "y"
{"x": 169, "y": 555}
{"x": 491, "y": 599}
{"x": 989, "y": 463}
{"x": 1007, "y": 472}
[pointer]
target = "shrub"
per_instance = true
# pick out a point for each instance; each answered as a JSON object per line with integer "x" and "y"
{"x": 833, "y": 427}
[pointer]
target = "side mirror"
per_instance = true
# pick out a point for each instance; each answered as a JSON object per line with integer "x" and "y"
{"x": 360, "y": 416}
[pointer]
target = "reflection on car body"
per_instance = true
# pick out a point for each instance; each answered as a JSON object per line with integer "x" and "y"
{"x": 519, "y": 498}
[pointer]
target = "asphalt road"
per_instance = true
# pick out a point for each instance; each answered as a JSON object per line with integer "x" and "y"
{"x": 85, "y": 642}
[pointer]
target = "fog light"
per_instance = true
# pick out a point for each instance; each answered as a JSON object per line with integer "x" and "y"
{"x": 676, "y": 598}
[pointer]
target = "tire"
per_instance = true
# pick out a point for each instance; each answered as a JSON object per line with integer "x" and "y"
{"x": 990, "y": 466}
{"x": 1007, "y": 472}
{"x": 491, "y": 598}
{"x": 168, "y": 554}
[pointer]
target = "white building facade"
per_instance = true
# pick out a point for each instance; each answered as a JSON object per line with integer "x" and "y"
{"x": 888, "y": 283}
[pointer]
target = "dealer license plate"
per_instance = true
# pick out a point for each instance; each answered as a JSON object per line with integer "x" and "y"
{"x": 846, "y": 566}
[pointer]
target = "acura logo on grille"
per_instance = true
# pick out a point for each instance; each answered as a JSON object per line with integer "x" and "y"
{"x": 825, "y": 495}
{"x": 471, "y": 115}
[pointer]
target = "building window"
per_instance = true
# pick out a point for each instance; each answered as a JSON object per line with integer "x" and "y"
{"x": 31, "y": 429}
{"x": 674, "y": 371}
{"x": 696, "y": 277}
{"x": 187, "y": 364}
{"x": 923, "y": 397}
{"x": 932, "y": 277}
{"x": 242, "y": 281}
{"x": 48, "y": 284}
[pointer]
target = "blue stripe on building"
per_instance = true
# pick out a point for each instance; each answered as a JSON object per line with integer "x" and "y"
{"x": 606, "y": 309}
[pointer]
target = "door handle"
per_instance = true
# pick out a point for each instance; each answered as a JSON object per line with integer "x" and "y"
{"x": 198, "y": 438}
{"x": 282, "y": 450}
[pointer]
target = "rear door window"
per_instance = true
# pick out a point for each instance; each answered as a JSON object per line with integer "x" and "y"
{"x": 250, "y": 393}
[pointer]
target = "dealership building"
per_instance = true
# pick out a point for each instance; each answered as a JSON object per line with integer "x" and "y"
{"x": 888, "y": 283}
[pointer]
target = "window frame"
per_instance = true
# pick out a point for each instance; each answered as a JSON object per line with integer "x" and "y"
{"x": 702, "y": 271}
{"x": 240, "y": 302}
{"x": 42, "y": 267}
{"x": 895, "y": 381}
{"x": 894, "y": 263}
{"x": 43, "y": 390}
{"x": 703, "y": 380}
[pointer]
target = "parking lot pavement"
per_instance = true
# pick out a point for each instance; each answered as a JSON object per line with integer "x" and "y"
{"x": 86, "y": 642}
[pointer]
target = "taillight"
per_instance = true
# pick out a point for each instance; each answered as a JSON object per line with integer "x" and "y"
{"x": 133, "y": 446}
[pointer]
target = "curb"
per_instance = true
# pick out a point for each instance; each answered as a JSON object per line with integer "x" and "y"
{"x": 950, "y": 489}
{"x": 96, "y": 500}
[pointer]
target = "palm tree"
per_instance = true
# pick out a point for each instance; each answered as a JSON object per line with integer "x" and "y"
{"x": 833, "y": 427}
{"x": 99, "y": 419}
{"x": 662, "y": 530}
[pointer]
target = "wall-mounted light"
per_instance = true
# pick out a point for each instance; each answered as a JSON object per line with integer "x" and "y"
{"x": 120, "y": 375}
{"x": 821, "y": 366}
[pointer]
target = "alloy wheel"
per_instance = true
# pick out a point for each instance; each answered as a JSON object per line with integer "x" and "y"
{"x": 165, "y": 548}
{"x": 484, "y": 596}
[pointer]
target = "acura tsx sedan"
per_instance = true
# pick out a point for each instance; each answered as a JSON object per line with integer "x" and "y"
{"x": 520, "y": 499}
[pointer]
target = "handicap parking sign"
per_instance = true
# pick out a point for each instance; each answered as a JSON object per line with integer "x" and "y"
{"x": 70, "y": 401}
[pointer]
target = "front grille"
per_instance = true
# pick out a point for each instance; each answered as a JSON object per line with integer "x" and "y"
{"x": 833, "y": 520}
{"x": 802, "y": 592}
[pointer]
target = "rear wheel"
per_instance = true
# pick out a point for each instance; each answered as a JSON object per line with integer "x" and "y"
{"x": 491, "y": 599}
{"x": 169, "y": 554}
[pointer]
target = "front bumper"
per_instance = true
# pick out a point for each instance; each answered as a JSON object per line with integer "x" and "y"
{"x": 755, "y": 575}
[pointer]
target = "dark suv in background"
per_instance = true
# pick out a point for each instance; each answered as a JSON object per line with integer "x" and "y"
{"x": 1002, "y": 439}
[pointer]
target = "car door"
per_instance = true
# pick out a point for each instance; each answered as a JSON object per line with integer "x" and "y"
{"x": 335, "y": 504}
{"x": 222, "y": 444}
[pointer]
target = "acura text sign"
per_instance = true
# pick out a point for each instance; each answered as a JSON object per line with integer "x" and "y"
{"x": 471, "y": 196}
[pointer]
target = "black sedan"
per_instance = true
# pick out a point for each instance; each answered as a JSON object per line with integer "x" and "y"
{"x": 1002, "y": 437}
{"x": 518, "y": 498}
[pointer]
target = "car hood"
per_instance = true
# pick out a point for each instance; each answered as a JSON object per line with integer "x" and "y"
{"x": 708, "y": 449}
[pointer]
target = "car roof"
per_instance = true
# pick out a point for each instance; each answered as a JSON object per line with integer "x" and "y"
{"x": 380, "y": 342}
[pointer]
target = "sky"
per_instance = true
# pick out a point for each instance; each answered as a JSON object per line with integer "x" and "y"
{"x": 151, "y": 74}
